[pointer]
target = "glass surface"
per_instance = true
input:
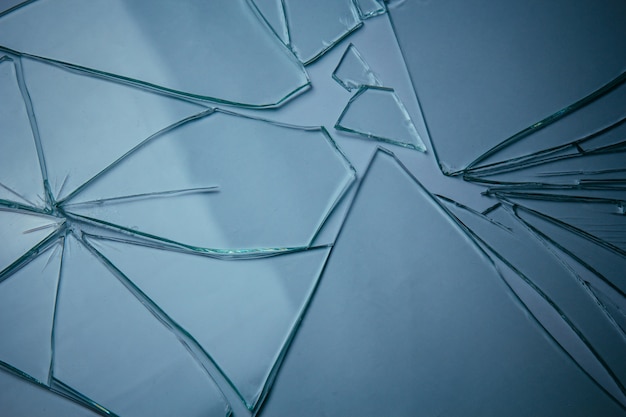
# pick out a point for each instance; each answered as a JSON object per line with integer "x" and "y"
{"x": 204, "y": 49}
{"x": 370, "y": 8}
{"x": 353, "y": 72}
{"x": 377, "y": 113}
{"x": 274, "y": 14}
{"x": 488, "y": 74}
{"x": 394, "y": 319}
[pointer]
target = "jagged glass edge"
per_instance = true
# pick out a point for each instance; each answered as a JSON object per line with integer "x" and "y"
{"x": 374, "y": 13}
{"x": 420, "y": 143}
{"x": 529, "y": 282}
{"x": 170, "y": 91}
{"x": 284, "y": 22}
{"x": 194, "y": 346}
{"x": 244, "y": 252}
{"x": 338, "y": 79}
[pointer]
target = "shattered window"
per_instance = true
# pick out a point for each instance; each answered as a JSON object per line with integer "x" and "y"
{"x": 216, "y": 208}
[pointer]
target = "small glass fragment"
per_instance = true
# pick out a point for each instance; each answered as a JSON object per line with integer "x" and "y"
{"x": 377, "y": 113}
{"x": 317, "y": 26}
{"x": 353, "y": 72}
{"x": 143, "y": 369}
{"x": 27, "y": 302}
{"x": 392, "y": 310}
{"x": 370, "y": 8}
{"x": 217, "y": 51}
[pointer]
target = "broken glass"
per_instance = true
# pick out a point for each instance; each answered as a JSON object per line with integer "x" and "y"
{"x": 221, "y": 182}
{"x": 199, "y": 49}
{"x": 316, "y": 27}
{"x": 274, "y": 14}
{"x": 353, "y": 72}
{"x": 377, "y": 113}
{"x": 487, "y": 76}
{"x": 370, "y": 8}
{"x": 263, "y": 299}
{"x": 392, "y": 308}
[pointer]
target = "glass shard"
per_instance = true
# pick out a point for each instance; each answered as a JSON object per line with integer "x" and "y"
{"x": 616, "y": 311}
{"x": 475, "y": 67}
{"x": 242, "y": 313}
{"x": 370, "y": 8}
{"x": 27, "y": 301}
{"x": 273, "y": 192}
{"x": 86, "y": 123}
{"x": 198, "y": 49}
{"x": 20, "y": 175}
{"x": 572, "y": 299}
{"x": 377, "y": 113}
{"x": 20, "y": 233}
{"x": 143, "y": 369}
{"x": 353, "y": 72}
{"x": 22, "y": 398}
{"x": 391, "y": 309}
{"x": 274, "y": 14}
{"x": 315, "y": 27}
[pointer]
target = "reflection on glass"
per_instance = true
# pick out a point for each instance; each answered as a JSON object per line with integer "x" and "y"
{"x": 353, "y": 72}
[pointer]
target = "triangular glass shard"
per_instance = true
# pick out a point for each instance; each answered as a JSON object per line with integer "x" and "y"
{"x": 197, "y": 49}
{"x": 353, "y": 72}
{"x": 27, "y": 301}
{"x": 20, "y": 233}
{"x": 317, "y": 26}
{"x": 606, "y": 263}
{"x": 370, "y": 8}
{"x": 85, "y": 123}
{"x": 20, "y": 175}
{"x": 223, "y": 181}
{"x": 547, "y": 274}
{"x": 475, "y": 68}
{"x": 392, "y": 308}
{"x": 22, "y": 398}
{"x": 599, "y": 121}
{"x": 598, "y": 219}
{"x": 242, "y": 313}
{"x": 377, "y": 113}
{"x": 109, "y": 348}
{"x": 274, "y": 14}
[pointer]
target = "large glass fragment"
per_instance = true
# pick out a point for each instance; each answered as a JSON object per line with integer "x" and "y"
{"x": 20, "y": 176}
{"x": 27, "y": 300}
{"x": 377, "y": 113}
{"x": 396, "y": 328}
{"x": 21, "y": 398}
{"x": 142, "y": 368}
{"x": 22, "y": 233}
{"x": 242, "y": 313}
{"x": 219, "y": 51}
{"x": 488, "y": 74}
{"x": 223, "y": 181}
{"x": 86, "y": 123}
{"x": 353, "y": 72}
{"x": 572, "y": 299}
{"x": 315, "y": 27}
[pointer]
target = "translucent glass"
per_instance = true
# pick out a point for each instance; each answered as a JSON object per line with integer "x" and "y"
{"x": 143, "y": 369}
{"x": 353, "y": 72}
{"x": 377, "y": 113}
{"x": 487, "y": 75}
{"x": 27, "y": 301}
{"x": 276, "y": 185}
{"x": 370, "y": 8}
{"x": 20, "y": 176}
{"x": 274, "y": 14}
{"x": 242, "y": 313}
{"x": 396, "y": 327}
{"x": 204, "y": 49}
{"x": 317, "y": 26}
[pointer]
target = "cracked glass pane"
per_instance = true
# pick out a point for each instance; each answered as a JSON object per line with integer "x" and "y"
{"x": 425, "y": 327}
{"x": 377, "y": 113}
{"x": 353, "y": 72}
{"x": 221, "y": 181}
{"x": 98, "y": 312}
{"x": 263, "y": 299}
{"x": 504, "y": 70}
{"x": 315, "y": 27}
{"x": 20, "y": 176}
{"x": 181, "y": 48}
